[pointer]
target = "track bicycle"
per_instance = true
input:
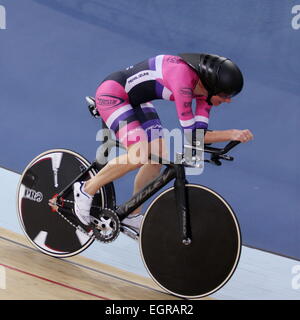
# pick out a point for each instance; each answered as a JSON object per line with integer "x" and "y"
{"x": 189, "y": 240}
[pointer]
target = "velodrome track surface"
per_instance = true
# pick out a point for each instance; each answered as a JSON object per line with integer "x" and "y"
{"x": 115, "y": 271}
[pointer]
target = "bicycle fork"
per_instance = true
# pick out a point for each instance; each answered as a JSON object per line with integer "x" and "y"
{"x": 182, "y": 204}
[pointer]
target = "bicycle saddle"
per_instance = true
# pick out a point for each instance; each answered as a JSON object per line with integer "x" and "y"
{"x": 92, "y": 106}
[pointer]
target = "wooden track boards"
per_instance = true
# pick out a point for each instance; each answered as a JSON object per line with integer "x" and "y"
{"x": 29, "y": 274}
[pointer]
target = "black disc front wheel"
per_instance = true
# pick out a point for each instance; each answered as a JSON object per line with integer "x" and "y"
{"x": 202, "y": 267}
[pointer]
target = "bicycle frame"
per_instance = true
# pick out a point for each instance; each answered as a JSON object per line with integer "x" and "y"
{"x": 173, "y": 171}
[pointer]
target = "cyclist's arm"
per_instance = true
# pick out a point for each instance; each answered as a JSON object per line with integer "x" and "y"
{"x": 202, "y": 113}
{"x": 183, "y": 98}
{"x": 181, "y": 81}
{"x": 228, "y": 135}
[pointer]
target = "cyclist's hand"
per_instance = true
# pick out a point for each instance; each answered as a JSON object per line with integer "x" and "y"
{"x": 241, "y": 135}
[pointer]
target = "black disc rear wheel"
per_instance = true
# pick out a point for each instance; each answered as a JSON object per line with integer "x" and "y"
{"x": 42, "y": 179}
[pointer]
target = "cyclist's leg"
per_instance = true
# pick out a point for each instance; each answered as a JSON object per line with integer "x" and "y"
{"x": 113, "y": 105}
{"x": 116, "y": 168}
{"x": 146, "y": 173}
{"x": 150, "y": 122}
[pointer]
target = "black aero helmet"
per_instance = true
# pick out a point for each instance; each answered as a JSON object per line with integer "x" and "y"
{"x": 217, "y": 74}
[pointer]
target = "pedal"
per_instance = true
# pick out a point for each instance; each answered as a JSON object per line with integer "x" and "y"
{"x": 130, "y": 232}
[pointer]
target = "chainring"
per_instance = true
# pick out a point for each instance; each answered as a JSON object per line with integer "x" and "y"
{"x": 106, "y": 227}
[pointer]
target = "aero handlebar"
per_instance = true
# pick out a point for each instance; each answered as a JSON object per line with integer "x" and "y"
{"x": 220, "y": 154}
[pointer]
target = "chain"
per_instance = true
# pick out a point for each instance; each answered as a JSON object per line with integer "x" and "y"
{"x": 94, "y": 230}
{"x": 78, "y": 227}
{"x": 70, "y": 201}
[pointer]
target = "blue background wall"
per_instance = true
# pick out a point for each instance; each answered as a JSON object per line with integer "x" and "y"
{"x": 55, "y": 52}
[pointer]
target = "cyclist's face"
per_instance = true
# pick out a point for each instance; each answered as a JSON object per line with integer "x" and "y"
{"x": 217, "y": 100}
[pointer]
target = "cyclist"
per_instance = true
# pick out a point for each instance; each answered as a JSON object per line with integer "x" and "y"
{"x": 123, "y": 101}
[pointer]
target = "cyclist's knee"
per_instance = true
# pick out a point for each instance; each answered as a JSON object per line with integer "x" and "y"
{"x": 138, "y": 154}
